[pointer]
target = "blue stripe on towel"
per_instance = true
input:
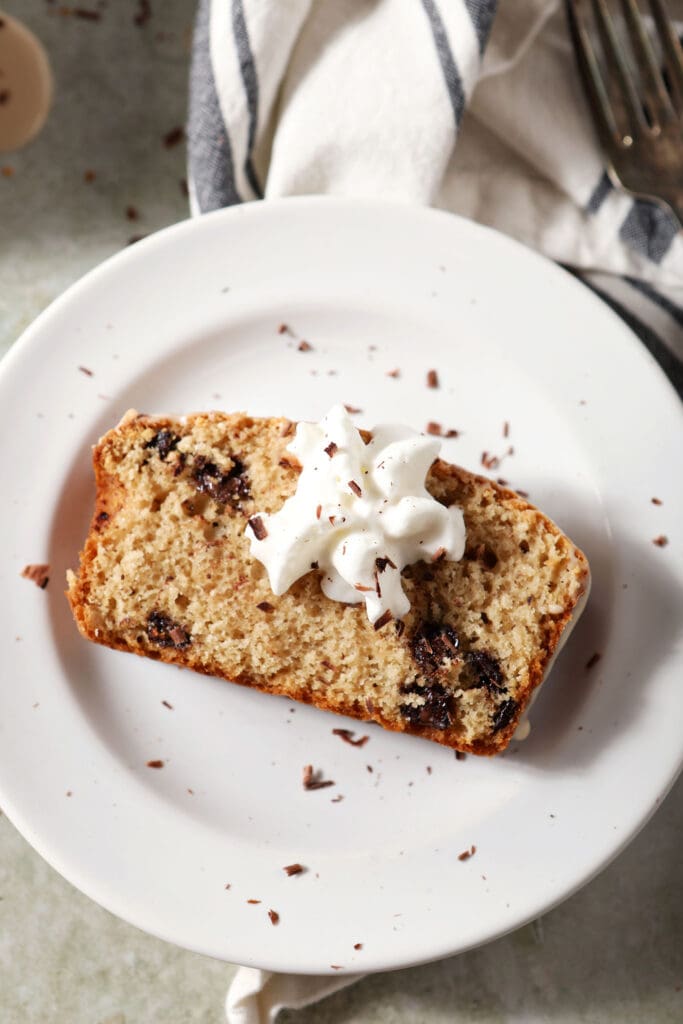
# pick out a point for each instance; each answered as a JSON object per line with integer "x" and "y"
{"x": 451, "y": 74}
{"x": 649, "y": 229}
{"x": 250, "y": 81}
{"x": 210, "y": 155}
{"x": 482, "y": 13}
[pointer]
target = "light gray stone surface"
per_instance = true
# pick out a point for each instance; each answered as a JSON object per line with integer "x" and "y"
{"x": 613, "y": 953}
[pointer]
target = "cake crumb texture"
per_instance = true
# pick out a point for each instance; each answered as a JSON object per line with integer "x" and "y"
{"x": 166, "y": 572}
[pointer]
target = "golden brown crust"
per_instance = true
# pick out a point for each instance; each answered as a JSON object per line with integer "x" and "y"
{"x": 166, "y": 573}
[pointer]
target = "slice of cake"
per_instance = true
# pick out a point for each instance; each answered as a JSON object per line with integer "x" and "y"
{"x": 171, "y": 570}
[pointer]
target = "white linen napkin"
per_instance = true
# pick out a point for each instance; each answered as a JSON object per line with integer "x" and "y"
{"x": 369, "y": 98}
{"x": 362, "y": 98}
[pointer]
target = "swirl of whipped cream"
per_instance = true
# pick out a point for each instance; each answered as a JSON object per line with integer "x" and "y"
{"x": 359, "y": 515}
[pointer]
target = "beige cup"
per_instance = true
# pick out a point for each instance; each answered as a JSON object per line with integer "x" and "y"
{"x": 25, "y": 84}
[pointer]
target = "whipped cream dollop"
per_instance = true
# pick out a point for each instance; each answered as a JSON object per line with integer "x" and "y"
{"x": 359, "y": 515}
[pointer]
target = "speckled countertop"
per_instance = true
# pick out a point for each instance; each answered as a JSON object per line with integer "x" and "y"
{"x": 612, "y": 953}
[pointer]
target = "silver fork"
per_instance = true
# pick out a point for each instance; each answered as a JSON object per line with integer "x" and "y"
{"x": 638, "y": 115}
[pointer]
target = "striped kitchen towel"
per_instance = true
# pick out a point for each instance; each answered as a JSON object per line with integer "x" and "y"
{"x": 369, "y": 98}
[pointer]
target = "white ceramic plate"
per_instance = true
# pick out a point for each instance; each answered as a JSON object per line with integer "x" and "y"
{"x": 189, "y": 320}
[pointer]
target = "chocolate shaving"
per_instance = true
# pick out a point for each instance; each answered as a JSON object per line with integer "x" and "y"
{"x": 466, "y": 854}
{"x": 293, "y": 869}
{"x": 265, "y": 606}
{"x": 400, "y": 627}
{"x": 460, "y": 755}
{"x": 314, "y": 565}
{"x": 506, "y": 429}
{"x": 347, "y": 736}
{"x": 661, "y": 541}
{"x": 331, "y": 449}
{"x": 434, "y": 428}
{"x": 383, "y": 619}
{"x": 144, "y": 13}
{"x": 253, "y": 901}
{"x": 656, "y": 501}
{"x": 304, "y": 346}
{"x": 172, "y": 138}
{"x": 432, "y": 379}
{"x": 167, "y": 705}
{"x": 452, "y": 433}
{"x": 86, "y": 371}
{"x": 155, "y": 764}
{"x": 284, "y": 329}
{"x": 358, "y": 945}
{"x": 274, "y": 916}
{"x": 351, "y": 409}
{"x": 383, "y": 562}
{"x": 259, "y": 527}
{"x": 363, "y": 589}
{"x": 38, "y": 574}
{"x": 439, "y": 554}
{"x": 311, "y": 779}
{"x": 593, "y": 660}
{"x": 86, "y": 14}
{"x": 489, "y": 461}
{"x": 132, "y": 213}
{"x": 353, "y": 486}
{"x": 394, "y": 373}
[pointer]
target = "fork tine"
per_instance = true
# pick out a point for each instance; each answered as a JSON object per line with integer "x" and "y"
{"x": 657, "y": 98}
{"x": 671, "y": 46}
{"x": 614, "y": 58}
{"x": 598, "y": 99}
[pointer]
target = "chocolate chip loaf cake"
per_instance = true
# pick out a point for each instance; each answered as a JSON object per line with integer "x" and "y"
{"x": 166, "y": 572}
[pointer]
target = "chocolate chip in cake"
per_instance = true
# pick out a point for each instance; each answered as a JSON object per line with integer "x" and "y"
{"x": 486, "y": 670}
{"x": 164, "y": 632}
{"x": 437, "y": 710}
{"x": 164, "y": 442}
{"x": 265, "y": 606}
{"x": 503, "y": 715}
{"x": 433, "y": 645}
{"x": 231, "y": 488}
{"x": 524, "y": 547}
